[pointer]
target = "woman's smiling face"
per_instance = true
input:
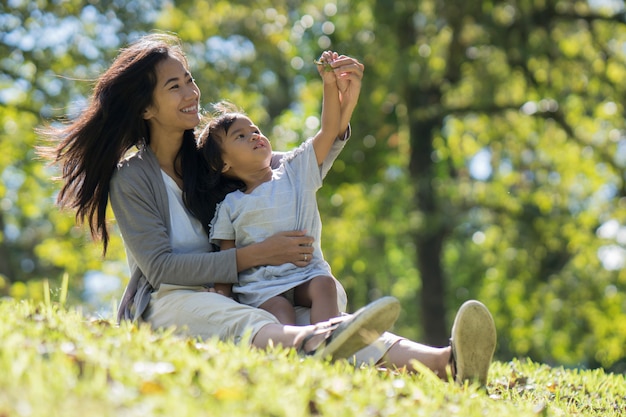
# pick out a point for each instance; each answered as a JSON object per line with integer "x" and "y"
{"x": 175, "y": 100}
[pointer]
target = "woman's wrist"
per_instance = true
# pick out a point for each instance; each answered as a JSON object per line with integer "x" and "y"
{"x": 249, "y": 256}
{"x": 344, "y": 134}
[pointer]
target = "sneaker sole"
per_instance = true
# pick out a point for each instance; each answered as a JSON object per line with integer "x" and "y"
{"x": 366, "y": 326}
{"x": 473, "y": 342}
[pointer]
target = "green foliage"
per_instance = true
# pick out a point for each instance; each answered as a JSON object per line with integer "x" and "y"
{"x": 532, "y": 89}
{"x": 57, "y": 362}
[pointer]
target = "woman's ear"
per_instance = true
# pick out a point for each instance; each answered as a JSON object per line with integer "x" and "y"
{"x": 147, "y": 114}
{"x": 225, "y": 168}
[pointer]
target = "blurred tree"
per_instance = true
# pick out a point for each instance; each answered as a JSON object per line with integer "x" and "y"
{"x": 486, "y": 161}
{"x": 51, "y": 53}
{"x": 515, "y": 123}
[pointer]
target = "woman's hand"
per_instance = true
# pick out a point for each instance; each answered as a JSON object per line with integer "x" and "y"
{"x": 289, "y": 247}
{"x": 349, "y": 73}
{"x": 285, "y": 247}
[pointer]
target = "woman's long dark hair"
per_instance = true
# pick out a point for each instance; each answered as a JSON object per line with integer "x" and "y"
{"x": 212, "y": 185}
{"x": 89, "y": 148}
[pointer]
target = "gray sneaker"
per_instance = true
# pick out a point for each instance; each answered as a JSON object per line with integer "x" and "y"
{"x": 348, "y": 334}
{"x": 473, "y": 342}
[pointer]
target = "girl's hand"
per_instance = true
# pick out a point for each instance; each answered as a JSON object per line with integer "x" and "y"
{"x": 225, "y": 289}
{"x": 325, "y": 67}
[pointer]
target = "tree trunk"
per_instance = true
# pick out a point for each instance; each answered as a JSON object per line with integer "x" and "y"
{"x": 430, "y": 236}
{"x": 6, "y": 267}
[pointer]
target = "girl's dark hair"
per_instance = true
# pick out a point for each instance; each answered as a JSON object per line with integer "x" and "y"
{"x": 213, "y": 186}
{"x": 89, "y": 148}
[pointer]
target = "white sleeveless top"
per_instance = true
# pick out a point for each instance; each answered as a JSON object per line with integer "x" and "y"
{"x": 187, "y": 235}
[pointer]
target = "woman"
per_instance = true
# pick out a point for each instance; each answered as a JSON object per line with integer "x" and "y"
{"x": 148, "y": 99}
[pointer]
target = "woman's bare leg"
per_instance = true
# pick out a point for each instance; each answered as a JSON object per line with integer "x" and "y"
{"x": 341, "y": 337}
{"x": 404, "y": 352}
{"x": 288, "y": 336}
{"x": 400, "y": 355}
{"x": 473, "y": 338}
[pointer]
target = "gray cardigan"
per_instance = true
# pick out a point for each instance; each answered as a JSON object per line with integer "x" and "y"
{"x": 139, "y": 200}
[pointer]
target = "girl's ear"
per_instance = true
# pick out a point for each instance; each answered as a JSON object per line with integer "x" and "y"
{"x": 225, "y": 168}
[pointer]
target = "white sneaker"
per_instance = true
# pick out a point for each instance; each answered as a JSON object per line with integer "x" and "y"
{"x": 473, "y": 342}
{"x": 346, "y": 335}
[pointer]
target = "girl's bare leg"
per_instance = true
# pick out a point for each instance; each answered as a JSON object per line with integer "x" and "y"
{"x": 320, "y": 294}
{"x": 281, "y": 308}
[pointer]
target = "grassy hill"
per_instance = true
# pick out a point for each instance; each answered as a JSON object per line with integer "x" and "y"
{"x": 56, "y": 362}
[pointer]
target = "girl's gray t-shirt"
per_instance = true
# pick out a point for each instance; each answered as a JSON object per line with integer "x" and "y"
{"x": 286, "y": 202}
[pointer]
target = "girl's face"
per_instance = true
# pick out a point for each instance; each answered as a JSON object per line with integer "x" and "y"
{"x": 244, "y": 148}
{"x": 175, "y": 100}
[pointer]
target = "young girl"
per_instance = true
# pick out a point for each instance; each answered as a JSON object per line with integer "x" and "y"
{"x": 273, "y": 200}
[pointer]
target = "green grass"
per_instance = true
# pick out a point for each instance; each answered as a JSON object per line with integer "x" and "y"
{"x": 56, "y": 362}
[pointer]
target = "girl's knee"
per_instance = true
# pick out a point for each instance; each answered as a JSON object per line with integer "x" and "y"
{"x": 324, "y": 284}
{"x": 281, "y": 308}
